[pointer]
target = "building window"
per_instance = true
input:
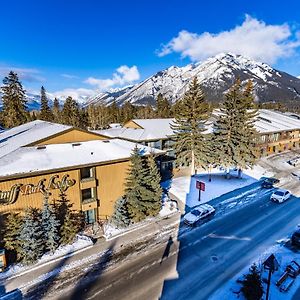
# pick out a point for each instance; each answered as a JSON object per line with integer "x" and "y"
{"x": 263, "y": 138}
{"x": 87, "y": 195}
{"x": 86, "y": 173}
{"x": 90, "y": 216}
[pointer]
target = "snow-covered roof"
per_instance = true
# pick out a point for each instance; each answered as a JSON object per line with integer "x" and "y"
{"x": 272, "y": 121}
{"x": 59, "y": 156}
{"x": 268, "y": 121}
{"x": 151, "y": 129}
{"x": 28, "y": 133}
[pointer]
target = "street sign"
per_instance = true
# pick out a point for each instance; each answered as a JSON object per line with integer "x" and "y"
{"x": 200, "y": 185}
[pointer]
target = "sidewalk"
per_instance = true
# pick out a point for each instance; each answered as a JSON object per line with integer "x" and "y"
{"x": 119, "y": 243}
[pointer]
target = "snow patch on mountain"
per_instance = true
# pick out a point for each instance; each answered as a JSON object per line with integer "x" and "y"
{"x": 216, "y": 75}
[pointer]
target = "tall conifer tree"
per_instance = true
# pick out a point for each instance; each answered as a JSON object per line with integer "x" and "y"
{"x": 56, "y": 111}
{"x": 14, "y": 101}
{"x": 50, "y": 225}
{"x": 46, "y": 112}
{"x": 70, "y": 113}
{"x": 31, "y": 236}
{"x": 12, "y": 231}
{"x": 121, "y": 217}
{"x": 234, "y": 132}
{"x": 136, "y": 191}
{"x": 163, "y": 107}
{"x": 152, "y": 182}
{"x": 189, "y": 125}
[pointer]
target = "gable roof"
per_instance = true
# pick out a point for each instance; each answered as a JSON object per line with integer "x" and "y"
{"x": 36, "y": 159}
{"x": 151, "y": 129}
{"x": 28, "y": 133}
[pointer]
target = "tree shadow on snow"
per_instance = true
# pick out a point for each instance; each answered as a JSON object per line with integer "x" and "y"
{"x": 41, "y": 290}
{"x": 90, "y": 279}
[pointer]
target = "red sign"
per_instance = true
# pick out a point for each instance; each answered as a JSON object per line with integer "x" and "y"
{"x": 200, "y": 185}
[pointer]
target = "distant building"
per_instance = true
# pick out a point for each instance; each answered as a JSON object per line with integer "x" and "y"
{"x": 154, "y": 133}
{"x": 277, "y": 132}
{"x": 42, "y": 156}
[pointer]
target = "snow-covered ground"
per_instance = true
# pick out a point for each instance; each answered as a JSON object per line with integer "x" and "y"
{"x": 81, "y": 242}
{"x": 284, "y": 257}
{"x": 184, "y": 188}
{"x": 111, "y": 232}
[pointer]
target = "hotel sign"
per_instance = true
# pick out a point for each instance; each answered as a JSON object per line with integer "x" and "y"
{"x": 44, "y": 187}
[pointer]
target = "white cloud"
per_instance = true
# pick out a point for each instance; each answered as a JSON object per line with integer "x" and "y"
{"x": 253, "y": 38}
{"x": 123, "y": 75}
{"x": 26, "y": 74}
{"x": 69, "y": 76}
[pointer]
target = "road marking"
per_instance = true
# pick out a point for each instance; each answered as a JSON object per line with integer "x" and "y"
{"x": 228, "y": 237}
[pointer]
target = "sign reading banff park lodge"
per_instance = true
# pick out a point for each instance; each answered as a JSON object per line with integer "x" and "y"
{"x": 54, "y": 183}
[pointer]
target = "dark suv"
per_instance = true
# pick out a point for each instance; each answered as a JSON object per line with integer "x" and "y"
{"x": 296, "y": 238}
{"x": 269, "y": 182}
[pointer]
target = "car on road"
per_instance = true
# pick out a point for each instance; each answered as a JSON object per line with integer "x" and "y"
{"x": 280, "y": 195}
{"x": 268, "y": 183}
{"x": 200, "y": 212}
{"x": 296, "y": 238}
{"x": 294, "y": 162}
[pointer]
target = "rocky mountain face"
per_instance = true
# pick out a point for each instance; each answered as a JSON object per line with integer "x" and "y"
{"x": 216, "y": 75}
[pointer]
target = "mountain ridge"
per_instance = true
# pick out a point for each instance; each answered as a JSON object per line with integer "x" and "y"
{"x": 216, "y": 75}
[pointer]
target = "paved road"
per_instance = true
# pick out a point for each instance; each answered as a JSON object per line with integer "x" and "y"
{"x": 201, "y": 260}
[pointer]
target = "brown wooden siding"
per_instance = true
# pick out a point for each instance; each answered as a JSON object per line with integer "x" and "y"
{"x": 132, "y": 124}
{"x": 74, "y": 135}
{"x": 111, "y": 186}
{"x": 109, "y": 183}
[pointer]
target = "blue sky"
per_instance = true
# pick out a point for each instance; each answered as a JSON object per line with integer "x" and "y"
{"x": 78, "y": 47}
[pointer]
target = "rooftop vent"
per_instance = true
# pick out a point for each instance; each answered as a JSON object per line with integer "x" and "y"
{"x": 76, "y": 144}
{"x": 40, "y": 147}
{"x": 264, "y": 119}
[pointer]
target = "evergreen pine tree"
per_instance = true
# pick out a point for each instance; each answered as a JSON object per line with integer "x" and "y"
{"x": 50, "y": 225}
{"x": 70, "y": 114}
{"x": 234, "y": 132}
{"x": 56, "y": 111}
{"x": 12, "y": 231}
{"x": 70, "y": 227}
{"x": 252, "y": 285}
{"x": 190, "y": 142}
{"x": 46, "y": 112}
{"x": 163, "y": 107}
{"x": 14, "y": 101}
{"x": 120, "y": 217}
{"x": 152, "y": 181}
{"x": 70, "y": 221}
{"x": 136, "y": 191}
{"x": 31, "y": 236}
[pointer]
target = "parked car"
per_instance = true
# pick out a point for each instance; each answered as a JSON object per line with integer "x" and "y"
{"x": 296, "y": 238}
{"x": 268, "y": 183}
{"x": 294, "y": 162}
{"x": 280, "y": 196}
{"x": 199, "y": 213}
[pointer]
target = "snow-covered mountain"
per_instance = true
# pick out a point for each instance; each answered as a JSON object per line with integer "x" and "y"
{"x": 107, "y": 97}
{"x": 216, "y": 75}
{"x": 33, "y": 101}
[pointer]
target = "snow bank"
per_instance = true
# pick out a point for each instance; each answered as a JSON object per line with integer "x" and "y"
{"x": 284, "y": 256}
{"x": 80, "y": 243}
{"x": 184, "y": 188}
{"x": 111, "y": 232}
